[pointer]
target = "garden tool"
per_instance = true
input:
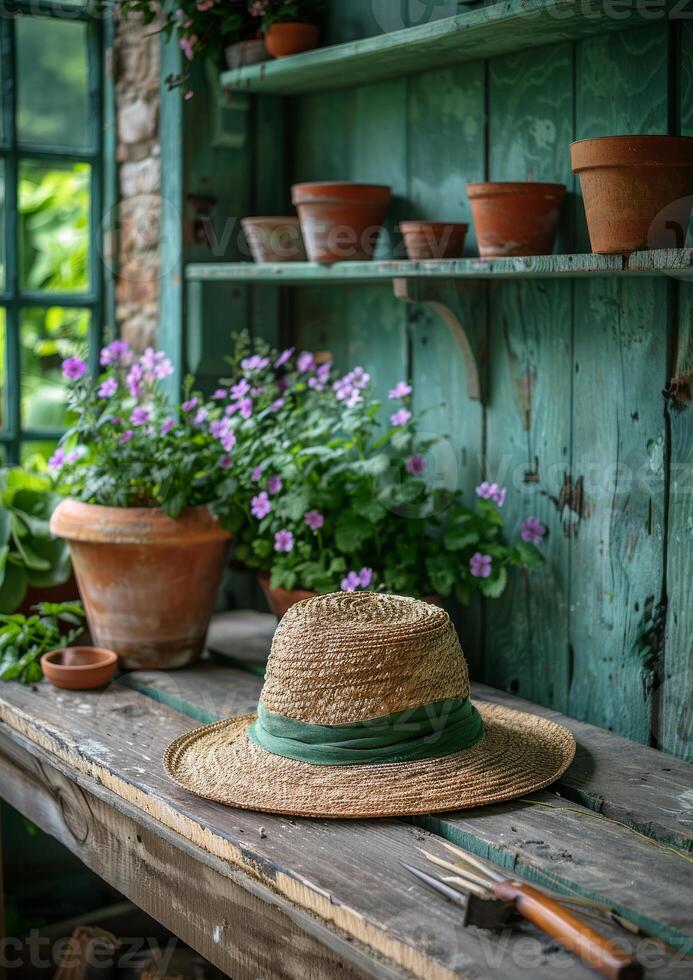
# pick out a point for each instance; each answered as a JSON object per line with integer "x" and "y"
{"x": 490, "y": 899}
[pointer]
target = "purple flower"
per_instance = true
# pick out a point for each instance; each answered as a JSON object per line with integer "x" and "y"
{"x": 140, "y": 416}
{"x": 314, "y": 520}
{"x": 260, "y": 506}
{"x": 360, "y": 378}
{"x": 274, "y": 484}
{"x": 228, "y": 441}
{"x": 354, "y": 399}
{"x": 283, "y": 541}
{"x": 532, "y": 530}
{"x": 134, "y": 380}
{"x": 117, "y": 352}
{"x": 125, "y": 437}
{"x": 203, "y": 5}
{"x": 256, "y": 474}
{"x": 351, "y": 582}
{"x": 220, "y": 393}
{"x": 246, "y": 408}
{"x": 74, "y": 368}
{"x": 415, "y": 465}
{"x": 217, "y": 427}
{"x": 189, "y": 405}
{"x": 57, "y": 459}
{"x": 167, "y": 425}
{"x": 365, "y": 577}
{"x": 187, "y": 46}
{"x": 239, "y": 390}
{"x": 284, "y": 357}
{"x": 491, "y": 491}
{"x": 155, "y": 364}
{"x": 305, "y": 362}
{"x": 108, "y": 388}
{"x": 401, "y": 390}
{"x": 276, "y": 405}
{"x": 400, "y": 418}
{"x": 254, "y": 363}
{"x": 200, "y": 417}
{"x": 480, "y": 565}
{"x": 226, "y": 462}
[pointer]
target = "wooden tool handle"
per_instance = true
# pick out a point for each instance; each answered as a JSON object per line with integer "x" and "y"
{"x": 594, "y": 949}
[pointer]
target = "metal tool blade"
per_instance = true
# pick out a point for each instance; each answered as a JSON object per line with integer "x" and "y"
{"x": 452, "y": 894}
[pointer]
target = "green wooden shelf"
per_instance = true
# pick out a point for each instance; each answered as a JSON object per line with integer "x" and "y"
{"x": 661, "y": 262}
{"x": 508, "y": 25}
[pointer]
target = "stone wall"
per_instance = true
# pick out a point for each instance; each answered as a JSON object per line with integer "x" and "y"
{"x": 136, "y": 68}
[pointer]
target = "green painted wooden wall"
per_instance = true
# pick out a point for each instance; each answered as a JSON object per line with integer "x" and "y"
{"x": 576, "y": 424}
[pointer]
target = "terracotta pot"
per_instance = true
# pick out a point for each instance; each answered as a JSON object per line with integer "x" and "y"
{"x": 274, "y": 239}
{"x": 433, "y": 239}
{"x": 79, "y": 668}
{"x": 282, "y": 40}
{"x": 243, "y": 53}
{"x": 637, "y": 190}
{"x": 341, "y": 222}
{"x": 148, "y": 582}
{"x": 281, "y": 600}
{"x": 515, "y": 218}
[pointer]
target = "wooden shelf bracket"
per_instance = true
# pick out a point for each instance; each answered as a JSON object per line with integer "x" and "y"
{"x": 464, "y": 316}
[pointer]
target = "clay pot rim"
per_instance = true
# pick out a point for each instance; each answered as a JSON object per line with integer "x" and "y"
{"x": 405, "y": 226}
{"x": 75, "y": 520}
{"x": 342, "y": 192}
{"x": 289, "y": 219}
{"x": 102, "y": 657}
{"x": 498, "y": 188}
{"x": 294, "y": 23}
{"x": 647, "y": 150}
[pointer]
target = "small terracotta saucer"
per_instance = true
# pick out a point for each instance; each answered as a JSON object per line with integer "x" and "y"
{"x": 79, "y": 668}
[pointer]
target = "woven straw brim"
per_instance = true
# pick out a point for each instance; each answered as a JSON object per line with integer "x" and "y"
{"x": 519, "y": 753}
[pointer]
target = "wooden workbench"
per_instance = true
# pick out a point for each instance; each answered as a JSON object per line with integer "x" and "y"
{"x": 265, "y": 896}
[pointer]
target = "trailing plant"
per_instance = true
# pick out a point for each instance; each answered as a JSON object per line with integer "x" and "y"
{"x": 288, "y": 11}
{"x": 129, "y": 447}
{"x": 202, "y": 27}
{"x": 24, "y": 639}
{"x": 29, "y": 554}
{"x": 328, "y": 494}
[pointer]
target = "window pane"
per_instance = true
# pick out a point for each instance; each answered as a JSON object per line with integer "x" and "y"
{"x": 54, "y": 226}
{"x": 52, "y": 82}
{"x": 3, "y": 390}
{"x": 47, "y": 337}
{"x": 2, "y": 224}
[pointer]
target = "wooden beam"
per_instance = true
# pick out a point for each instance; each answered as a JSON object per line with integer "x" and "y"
{"x": 513, "y": 25}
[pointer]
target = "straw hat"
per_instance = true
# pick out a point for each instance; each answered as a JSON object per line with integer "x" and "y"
{"x": 379, "y": 678}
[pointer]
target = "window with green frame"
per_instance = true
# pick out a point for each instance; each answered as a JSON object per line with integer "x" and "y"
{"x": 51, "y": 191}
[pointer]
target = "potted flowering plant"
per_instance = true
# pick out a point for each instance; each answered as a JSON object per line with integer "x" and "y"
{"x": 206, "y": 27}
{"x": 144, "y": 481}
{"x": 330, "y": 496}
{"x": 290, "y": 26}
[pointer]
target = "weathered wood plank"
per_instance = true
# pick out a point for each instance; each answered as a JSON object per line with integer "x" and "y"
{"x": 659, "y": 262}
{"x": 603, "y": 857}
{"x": 675, "y": 698}
{"x": 621, "y": 779}
{"x": 110, "y": 743}
{"x": 240, "y": 925}
{"x": 442, "y": 159}
{"x": 513, "y": 25}
{"x": 618, "y": 435}
{"x": 529, "y": 414}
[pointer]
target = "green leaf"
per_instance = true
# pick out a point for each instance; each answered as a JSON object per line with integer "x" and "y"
{"x": 528, "y": 555}
{"x": 351, "y": 532}
{"x": 457, "y": 538}
{"x": 4, "y": 526}
{"x": 13, "y": 588}
{"x": 262, "y": 547}
{"x": 494, "y": 587}
{"x": 282, "y": 578}
{"x": 442, "y": 574}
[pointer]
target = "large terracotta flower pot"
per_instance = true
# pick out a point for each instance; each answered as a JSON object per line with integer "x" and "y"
{"x": 341, "y": 222}
{"x": 638, "y": 190}
{"x": 515, "y": 218}
{"x": 282, "y": 40}
{"x": 281, "y": 600}
{"x": 274, "y": 239}
{"x": 433, "y": 239}
{"x": 148, "y": 582}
